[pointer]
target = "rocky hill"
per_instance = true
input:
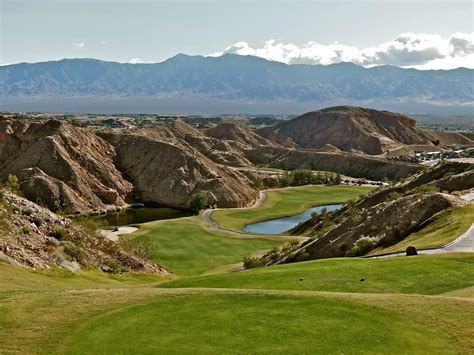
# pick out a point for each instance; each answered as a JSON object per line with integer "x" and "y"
{"x": 239, "y": 135}
{"x": 170, "y": 171}
{"x": 358, "y": 129}
{"x": 72, "y": 169}
{"x": 382, "y": 218}
{"x": 34, "y": 237}
{"x": 61, "y": 166}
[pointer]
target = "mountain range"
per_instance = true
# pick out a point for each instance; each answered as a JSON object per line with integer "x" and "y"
{"x": 189, "y": 83}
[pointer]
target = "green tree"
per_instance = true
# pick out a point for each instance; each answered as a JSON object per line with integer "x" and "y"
{"x": 286, "y": 179}
{"x": 199, "y": 201}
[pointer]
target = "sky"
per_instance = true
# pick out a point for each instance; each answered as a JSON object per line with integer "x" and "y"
{"x": 420, "y": 34}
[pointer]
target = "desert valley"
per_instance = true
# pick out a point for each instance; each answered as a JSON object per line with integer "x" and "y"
{"x": 236, "y": 177}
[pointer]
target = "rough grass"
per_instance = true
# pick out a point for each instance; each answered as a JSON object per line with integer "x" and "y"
{"x": 287, "y": 202}
{"x": 448, "y": 226}
{"x": 423, "y": 274}
{"x": 186, "y": 248}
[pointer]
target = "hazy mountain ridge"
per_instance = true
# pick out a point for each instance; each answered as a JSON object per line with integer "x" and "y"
{"x": 233, "y": 77}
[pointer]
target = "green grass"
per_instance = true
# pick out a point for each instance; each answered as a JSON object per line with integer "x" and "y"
{"x": 253, "y": 323}
{"x": 13, "y": 278}
{"x": 186, "y": 248}
{"x": 286, "y": 202}
{"x": 418, "y": 304}
{"x": 448, "y": 226}
{"x": 424, "y": 274}
{"x": 119, "y": 314}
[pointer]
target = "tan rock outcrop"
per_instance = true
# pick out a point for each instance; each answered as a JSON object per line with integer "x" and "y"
{"x": 354, "y": 128}
{"x": 63, "y": 166}
{"x": 169, "y": 171}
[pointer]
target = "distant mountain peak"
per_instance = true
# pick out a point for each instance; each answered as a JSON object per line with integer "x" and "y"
{"x": 233, "y": 77}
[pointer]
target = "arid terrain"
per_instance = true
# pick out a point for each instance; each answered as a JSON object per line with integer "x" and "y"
{"x": 357, "y": 187}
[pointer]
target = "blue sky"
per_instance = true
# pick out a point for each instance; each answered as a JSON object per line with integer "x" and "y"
{"x": 424, "y": 34}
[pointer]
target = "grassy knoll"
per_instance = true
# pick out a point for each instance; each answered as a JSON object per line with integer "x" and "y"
{"x": 424, "y": 274}
{"x": 21, "y": 279}
{"x": 186, "y": 248}
{"x": 104, "y": 314}
{"x": 252, "y": 323}
{"x": 286, "y": 202}
{"x": 447, "y": 226}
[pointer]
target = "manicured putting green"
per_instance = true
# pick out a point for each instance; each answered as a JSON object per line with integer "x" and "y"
{"x": 288, "y": 202}
{"x": 423, "y": 274}
{"x": 253, "y": 323}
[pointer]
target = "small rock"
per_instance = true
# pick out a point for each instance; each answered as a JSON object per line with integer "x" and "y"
{"x": 411, "y": 250}
{"x": 71, "y": 266}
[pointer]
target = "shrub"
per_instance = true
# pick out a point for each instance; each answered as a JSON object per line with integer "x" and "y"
{"x": 26, "y": 229}
{"x": 28, "y": 211}
{"x": 250, "y": 263}
{"x": 393, "y": 196}
{"x": 201, "y": 200}
{"x": 363, "y": 245}
{"x": 13, "y": 184}
{"x": 73, "y": 250}
{"x": 115, "y": 266}
{"x": 60, "y": 233}
{"x": 427, "y": 188}
{"x": 38, "y": 221}
{"x": 286, "y": 179}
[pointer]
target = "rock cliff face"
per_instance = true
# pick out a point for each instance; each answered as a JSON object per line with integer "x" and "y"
{"x": 169, "y": 171}
{"x": 32, "y": 236}
{"x": 239, "y": 135}
{"x": 74, "y": 169}
{"x": 61, "y": 166}
{"x": 354, "y": 128}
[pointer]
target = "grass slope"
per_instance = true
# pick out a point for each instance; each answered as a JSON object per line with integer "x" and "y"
{"x": 423, "y": 274}
{"x": 286, "y": 202}
{"x": 186, "y": 248}
{"x": 118, "y": 315}
{"x": 448, "y": 226}
{"x": 21, "y": 279}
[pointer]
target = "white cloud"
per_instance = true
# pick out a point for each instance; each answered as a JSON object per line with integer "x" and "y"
{"x": 79, "y": 44}
{"x": 423, "y": 51}
{"x": 136, "y": 61}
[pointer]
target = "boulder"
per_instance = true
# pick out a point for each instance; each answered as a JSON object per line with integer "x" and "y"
{"x": 411, "y": 250}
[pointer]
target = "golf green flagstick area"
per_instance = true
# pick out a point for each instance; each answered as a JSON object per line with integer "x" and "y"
{"x": 422, "y": 304}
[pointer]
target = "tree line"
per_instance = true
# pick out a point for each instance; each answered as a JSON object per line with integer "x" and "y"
{"x": 301, "y": 177}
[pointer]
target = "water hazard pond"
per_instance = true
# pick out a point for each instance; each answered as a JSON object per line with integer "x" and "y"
{"x": 280, "y": 225}
{"x": 139, "y": 215}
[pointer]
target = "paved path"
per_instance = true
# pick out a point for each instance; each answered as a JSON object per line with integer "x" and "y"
{"x": 464, "y": 244}
{"x": 207, "y": 216}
